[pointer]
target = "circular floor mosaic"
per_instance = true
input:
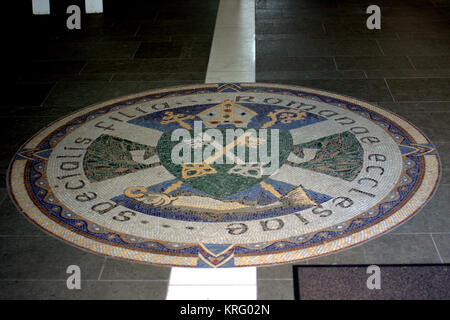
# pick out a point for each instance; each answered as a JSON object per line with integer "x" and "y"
{"x": 224, "y": 175}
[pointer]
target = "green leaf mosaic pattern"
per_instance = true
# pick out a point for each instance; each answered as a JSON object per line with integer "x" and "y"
{"x": 338, "y": 155}
{"x": 109, "y": 157}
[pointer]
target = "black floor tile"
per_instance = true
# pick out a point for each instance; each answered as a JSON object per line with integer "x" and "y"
{"x": 326, "y": 47}
{"x": 415, "y": 47}
{"x": 365, "y": 63}
{"x": 19, "y": 130}
{"x": 420, "y": 89}
{"x": 86, "y": 50}
{"x": 157, "y": 76}
{"x": 148, "y": 50}
{"x": 368, "y": 90}
{"x": 165, "y": 65}
{"x": 316, "y": 47}
{"x": 302, "y": 75}
{"x": 46, "y": 258}
{"x": 295, "y": 64}
{"x": 283, "y": 27}
{"x": 90, "y": 290}
{"x": 408, "y": 73}
{"x": 433, "y": 124}
{"x": 438, "y": 62}
{"x": 25, "y": 94}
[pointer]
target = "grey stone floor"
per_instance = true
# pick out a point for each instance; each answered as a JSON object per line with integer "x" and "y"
{"x": 404, "y": 67}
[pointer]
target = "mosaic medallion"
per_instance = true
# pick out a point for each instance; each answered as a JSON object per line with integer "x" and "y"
{"x": 224, "y": 175}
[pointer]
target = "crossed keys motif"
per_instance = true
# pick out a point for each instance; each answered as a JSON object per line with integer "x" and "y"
{"x": 170, "y": 117}
{"x": 193, "y": 170}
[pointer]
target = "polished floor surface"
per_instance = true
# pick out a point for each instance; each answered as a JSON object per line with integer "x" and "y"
{"x": 51, "y": 71}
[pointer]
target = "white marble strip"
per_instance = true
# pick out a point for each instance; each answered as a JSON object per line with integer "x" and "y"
{"x": 41, "y": 6}
{"x": 95, "y": 6}
{"x": 232, "y": 56}
{"x": 232, "y": 59}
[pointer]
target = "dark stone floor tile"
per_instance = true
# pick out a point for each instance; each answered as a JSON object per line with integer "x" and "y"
{"x": 353, "y": 255}
{"x": 177, "y": 29}
{"x": 19, "y": 131}
{"x": 147, "y": 65}
{"x": 369, "y": 63}
{"x": 25, "y": 113}
{"x": 433, "y": 217}
{"x": 420, "y": 89}
{"x": 90, "y": 290}
{"x": 54, "y": 77}
{"x": 301, "y": 75}
{"x": 137, "y": 38}
{"x": 442, "y": 241}
{"x": 390, "y": 25}
{"x": 266, "y": 48}
{"x": 3, "y": 195}
{"x": 87, "y": 50}
{"x": 275, "y": 290}
{"x": 401, "y": 248}
{"x": 408, "y": 73}
{"x": 151, "y": 85}
{"x": 268, "y": 14}
{"x": 438, "y": 62}
{"x": 356, "y": 35}
{"x": 2, "y": 179}
{"x": 285, "y": 27}
{"x": 443, "y": 149}
{"x": 445, "y": 176}
{"x": 52, "y": 67}
{"x": 157, "y": 76}
{"x": 422, "y": 35}
{"x": 433, "y": 124}
{"x": 368, "y": 90}
{"x": 44, "y": 258}
{"x": 148, "y": 50}
{"x": 327, "y": 47}
{"x": 14, "y": 223}
{"x": 82, "y": 94}
{"x": 415, "y": 47}
{"x": 401, "y": 108}
{"x": 282, "y": 271}
{"x": 294, "y": 64}
{"x": 24, "y": 94}
{"x": 115, "y": 269}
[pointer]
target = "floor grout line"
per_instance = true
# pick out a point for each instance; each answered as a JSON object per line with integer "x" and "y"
{"x": 435, "y": 247}
{"x": 137, "y": 31}
{"x": 410, "y": 61}
{"x": 137, "y": 48}
{"x": 379, "y": 47}
{"x": 389, "y": 89}
{"x": 82, "y": 68}
{"x": 48, "y": 94}
{"x": 336, "y": 65}
{"x": 102, "y": 268}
